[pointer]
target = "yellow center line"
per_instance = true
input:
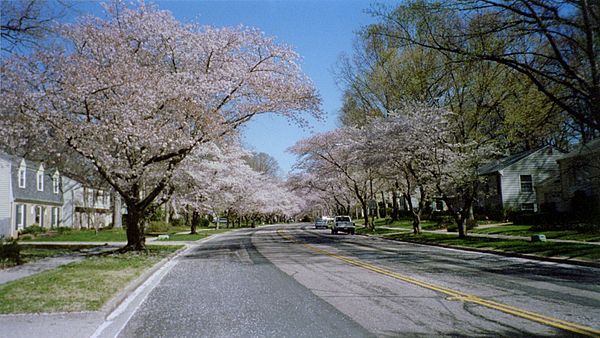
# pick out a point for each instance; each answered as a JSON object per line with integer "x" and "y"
{"x": 455, "y": 295}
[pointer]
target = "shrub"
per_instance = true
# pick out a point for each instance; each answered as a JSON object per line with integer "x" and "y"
{"x": 10, "y": 251}
{"x": 446, "y": 222}
{"x": 158, "y": 227}
{"x": 204, "y": 222}
{"x": 176, "y": 222}
{"x": 63, "y": 230}
{"x": 33, "y": 229}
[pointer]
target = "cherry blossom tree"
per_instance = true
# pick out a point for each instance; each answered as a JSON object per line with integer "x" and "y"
{"x": 400, "y": 148}
{"x": 333, "y": 155}
{"x": 426, "y": 154}
{"x": 136, "y": 93}
{"x": 217, "y": 178}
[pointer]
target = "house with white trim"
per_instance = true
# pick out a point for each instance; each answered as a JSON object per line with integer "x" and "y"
{"x": 29, "y": 194}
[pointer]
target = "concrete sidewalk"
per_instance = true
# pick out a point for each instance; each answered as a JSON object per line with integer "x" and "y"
{"x": 48, "y": 263}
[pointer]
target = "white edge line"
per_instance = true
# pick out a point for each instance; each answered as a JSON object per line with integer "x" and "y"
{"x": 158, "y": 275}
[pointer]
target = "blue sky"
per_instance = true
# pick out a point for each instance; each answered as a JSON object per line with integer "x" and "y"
{"x": 318, "y": 30}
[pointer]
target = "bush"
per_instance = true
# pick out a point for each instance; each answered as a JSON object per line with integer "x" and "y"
{"x": 158, "y": 227}
{"x": 33, "y": 229}
{"x": 63, "y": 230}
{"x": 445, "y": 222}
{"x": 204, "y": 222}
{"x": 177, "y": 222}
{"x": 10, "y": 251}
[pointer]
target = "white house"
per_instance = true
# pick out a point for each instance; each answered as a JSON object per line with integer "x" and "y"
{"x": 512, "y": 182}
{"x": 85, "y": 207}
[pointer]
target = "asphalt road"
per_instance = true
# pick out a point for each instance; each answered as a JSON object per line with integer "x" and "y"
{"x": 293, "y": 281}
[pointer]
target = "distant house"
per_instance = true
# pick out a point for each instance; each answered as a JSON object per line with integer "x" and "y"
{"x": 85, "y": 207}
{"x": 29, "y": 194}
{"x": 512, "y": 182}
{"x": 580, "y": 177}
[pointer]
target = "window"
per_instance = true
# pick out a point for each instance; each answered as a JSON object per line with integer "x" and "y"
{"x": 39, "y": 216}
{"x": 56, "y": 183}
{"x": 55, "y": 217}
{"x": 20, "y": 217}
{"x": 528, "y": 207}
{"x": 40, "y": 178}
{"x": 22, "y": 175}
{"x": 526, "y": 183}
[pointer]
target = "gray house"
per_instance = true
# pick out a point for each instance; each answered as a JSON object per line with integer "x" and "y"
{"x": 29, "y": 194}
{"x": 512, "y": 182}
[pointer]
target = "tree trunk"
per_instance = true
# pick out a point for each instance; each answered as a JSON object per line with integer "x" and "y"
{"x": 116, "y": 212}
{"x": 384, "y": 203}
{"x": 416, "y": 222}
{"x": 167, "y": 213}
{"x": 365, "y": 209}
{"x": 460, "y": 221}
{"x": 395, "y": 206}
{"x": 136, "y": 241}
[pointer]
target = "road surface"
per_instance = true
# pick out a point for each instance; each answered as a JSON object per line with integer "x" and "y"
{"x": 294, "y": 281}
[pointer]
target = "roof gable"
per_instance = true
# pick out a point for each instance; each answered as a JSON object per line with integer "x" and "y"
{"x": 505, "y": 162}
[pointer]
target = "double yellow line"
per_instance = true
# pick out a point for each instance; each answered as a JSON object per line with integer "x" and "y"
{"x": 457, "y": 295}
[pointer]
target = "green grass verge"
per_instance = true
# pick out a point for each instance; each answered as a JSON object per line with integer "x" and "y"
{"x": 80, "y": 286}
{"x": 202, "y": 233}
{"x": 380, "y": 231}
{"x": 545, "y": 249}
{"x": 84, "y": 235}
{"x": 525, "y": 230}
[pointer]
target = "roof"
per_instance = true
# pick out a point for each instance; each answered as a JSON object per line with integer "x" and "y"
{"x": 30, "y": 193}
{"x": 496, "y": 166}
{"x": 584, "y": 149}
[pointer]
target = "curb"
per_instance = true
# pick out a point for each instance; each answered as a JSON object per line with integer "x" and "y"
{"x": 120, "y": 297}
{"x": 115, "y": 301}
{"x": 501, "y": 253}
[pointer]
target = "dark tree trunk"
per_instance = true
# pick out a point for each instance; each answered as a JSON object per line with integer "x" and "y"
{"x": 195, "y": 222}
{"x": 416, "y": 222}
{"x": 383, "y": 211}
{"x": 136, "y": 241}
{"x": 365, "y": 209}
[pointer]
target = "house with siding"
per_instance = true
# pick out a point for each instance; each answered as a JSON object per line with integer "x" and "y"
{"x": 29, "y": 194}
{"x": 85, "y": 207}
{"x": 513, "y": 182}
{"x": 579, "y": 179}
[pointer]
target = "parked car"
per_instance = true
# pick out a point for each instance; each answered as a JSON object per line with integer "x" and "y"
{"x": 322, "y": 223}
{"x": 343, "y": 224}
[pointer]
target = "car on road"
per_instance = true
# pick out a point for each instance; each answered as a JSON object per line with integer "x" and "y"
{"x": 321, "y": 223}
{"x": 343, "y": 224}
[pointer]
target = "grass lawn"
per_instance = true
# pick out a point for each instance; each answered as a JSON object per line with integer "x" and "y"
{"x": 80, "y": 286}
{"x": 119, "y": 235}
{"x": 84, "y": 235}
{"x": 524, "y": 230}
{"x": 30, "y": 254}
{"x": 380, "y": 231}
{"x": 403, "y": 223}
{"x": 202, "y": 233}
{"x": 546, "y": 249}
